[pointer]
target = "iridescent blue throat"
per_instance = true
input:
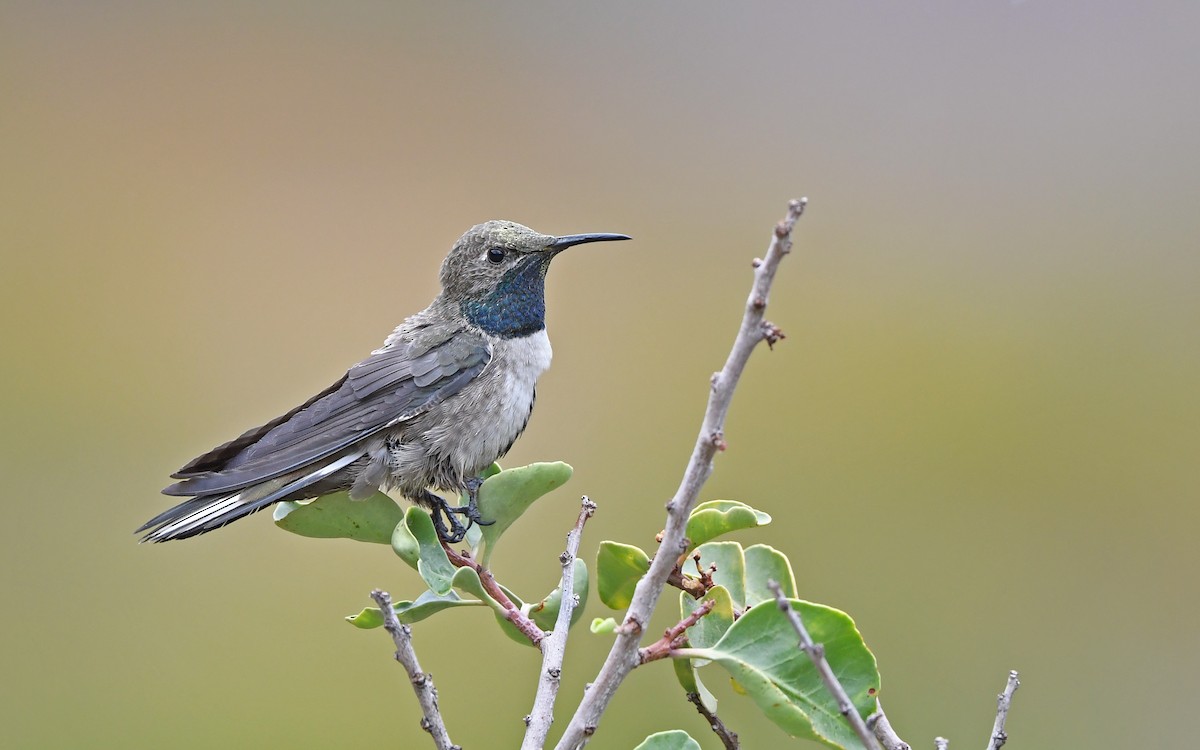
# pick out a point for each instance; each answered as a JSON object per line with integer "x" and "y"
{"x": 517, "y": 306}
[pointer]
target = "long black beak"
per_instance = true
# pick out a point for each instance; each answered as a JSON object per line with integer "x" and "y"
{"x": 562, "y": 243}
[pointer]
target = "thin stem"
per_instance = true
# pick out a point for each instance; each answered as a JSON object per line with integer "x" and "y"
{"x": 728, "y": 737}
{"x": 673, "y": 638}
{"x": 554, "y": 647}
{"x": 512, "y": 612}
{"x": 817, "y": 654}
{"x": 623, "y": 656}
{"x": 878, "y": 722}
{"x": 422, "y": 682}
{"x": 1003, "y": 703}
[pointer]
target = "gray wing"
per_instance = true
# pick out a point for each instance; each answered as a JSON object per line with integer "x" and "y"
{"x": 391, "y": 386}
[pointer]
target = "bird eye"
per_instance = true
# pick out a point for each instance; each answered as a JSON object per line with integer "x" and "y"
{"x": 495, "y": 254}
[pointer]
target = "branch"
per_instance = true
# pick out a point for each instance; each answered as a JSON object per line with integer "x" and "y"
{"x": 728, "y": 737}
{"x": 555, "y": 645}
{"x": 1003, "y": 703}
{"x": 878, "y": 722}
{"x": 431, "y": 720}
{"x": 623, "y": 656}
{"x": 512, "y": 612}
{"x": 695, "y": 587}
{"x": 816, "y": 653}
{"x": 674, "y": 637}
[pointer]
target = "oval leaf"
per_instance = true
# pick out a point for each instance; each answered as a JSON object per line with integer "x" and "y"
{"x": 505, "y": 496}
{"x": 763, "y": 564}
{"x": 618, "y": 569}
{"x": 409, "y": 612}
{"x": 676, "y": 739}
{"x": 432, "y": 563}
{"x": 406, "y": 545}
{"x": 336, "y": 516}
{"x": 716, "y": 517}
{"x": 761, "y": 655}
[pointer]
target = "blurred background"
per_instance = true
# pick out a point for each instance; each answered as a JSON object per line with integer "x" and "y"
{"x": 980, "y": 437}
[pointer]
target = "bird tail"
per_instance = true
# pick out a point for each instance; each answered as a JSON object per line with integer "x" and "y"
{"x": 207, "y": 512}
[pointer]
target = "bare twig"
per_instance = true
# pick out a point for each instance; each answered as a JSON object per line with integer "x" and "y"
{"x": 816, "y": 652}
{"x": 728, "y": 737}
{"x": 422, "y": 683}
{"x": 512, "y": 612}
{"x": 1003, "y": 703}
{"x": 695, "y": 587}
{"x": 554, "y": 647}
{"x": 674, "y": 637}
{"x": 878, "y": 723}
{"x": 623, "y": 656}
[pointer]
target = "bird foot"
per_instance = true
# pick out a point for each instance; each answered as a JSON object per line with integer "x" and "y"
{"x": 446, "y": 518}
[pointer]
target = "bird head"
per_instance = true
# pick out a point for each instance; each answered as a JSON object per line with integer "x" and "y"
{"x": 496, "y": 274}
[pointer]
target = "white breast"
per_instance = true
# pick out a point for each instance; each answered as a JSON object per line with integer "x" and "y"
{"x": 485, "y": 417}
{"x": 520, "y": 362}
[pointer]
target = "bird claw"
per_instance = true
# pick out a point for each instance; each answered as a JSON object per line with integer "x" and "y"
{"x": 457, "y": 530}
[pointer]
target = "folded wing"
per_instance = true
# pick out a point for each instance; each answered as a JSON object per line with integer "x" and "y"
{"x": 389, "y": 387}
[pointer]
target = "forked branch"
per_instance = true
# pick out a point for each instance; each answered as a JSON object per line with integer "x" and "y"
{"x": 623, "y": 656}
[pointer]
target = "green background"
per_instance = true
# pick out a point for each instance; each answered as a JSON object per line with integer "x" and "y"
{"x": 980, "y": 437}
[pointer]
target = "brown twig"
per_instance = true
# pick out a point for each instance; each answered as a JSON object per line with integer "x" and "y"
{"x": 512, "y": 612}
{"x": 431, "y": 717}
{"x": 695, "y": 587}
{"x": 554, "y": 647}
{"x": 728, "y": 737}
{"x": 674, "y": 637}
{"x": 816, "y": 652}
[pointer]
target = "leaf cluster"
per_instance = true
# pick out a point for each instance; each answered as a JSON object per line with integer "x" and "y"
{"x": 742, "y": 631}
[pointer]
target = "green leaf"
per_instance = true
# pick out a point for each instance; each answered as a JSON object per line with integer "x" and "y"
{"x": 603, "y": 625}
{"x": 545, "y": 612}
{"x": 731, "y": 568}
{"x": 618, "y": 569}
{"x": 406, "y": 545}
{"x": 432, "y": 563}
{"x": 370, "y": 617}
{"x": 717, "y": 517}
{"x": 676, "y": 739}
{"x": 763, "y": 564}
{"x": 505, "y": 496}
{"x": 336, "y": 516}
{"x": 760, "y": 652}
{"x": 408, "y": 612}
{"x": 710, "y": 628}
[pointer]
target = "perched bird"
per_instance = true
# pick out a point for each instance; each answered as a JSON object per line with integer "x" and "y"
{"x": 447, "y": 394}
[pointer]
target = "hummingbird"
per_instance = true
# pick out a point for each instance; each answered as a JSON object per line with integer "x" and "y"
{"x": 448, "y": 393}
